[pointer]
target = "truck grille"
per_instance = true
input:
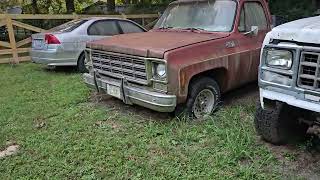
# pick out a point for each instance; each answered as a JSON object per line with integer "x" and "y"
{"x": 309, "y": 71}
{"x": 120, "y": 66}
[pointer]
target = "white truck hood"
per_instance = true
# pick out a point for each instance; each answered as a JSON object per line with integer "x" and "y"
{"x": 304, "y": 30}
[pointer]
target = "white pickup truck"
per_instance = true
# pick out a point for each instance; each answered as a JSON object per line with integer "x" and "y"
{"x": 289, "y": 81}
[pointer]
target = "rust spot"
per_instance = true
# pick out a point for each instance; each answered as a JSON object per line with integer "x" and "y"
{"x": 182, "y": 81}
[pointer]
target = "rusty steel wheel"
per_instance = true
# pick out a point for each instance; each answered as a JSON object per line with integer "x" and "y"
{"x": 204, "y": 103}
{"x": 203, "y": 99}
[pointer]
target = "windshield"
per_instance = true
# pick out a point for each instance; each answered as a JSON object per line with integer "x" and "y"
{"x": 69, "y": 26}
{"x": 217, "y": 16}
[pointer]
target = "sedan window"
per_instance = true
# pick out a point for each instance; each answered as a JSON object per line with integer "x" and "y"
{"x": 103, "y": 28}
{"x": 128, "y": 27}
{"x": 69, "y": 26}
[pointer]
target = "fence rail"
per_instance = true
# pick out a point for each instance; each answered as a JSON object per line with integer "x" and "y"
{"x": 13, "y": 51}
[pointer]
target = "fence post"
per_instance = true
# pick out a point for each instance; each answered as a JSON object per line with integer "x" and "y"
{"x": 12, "y": 40}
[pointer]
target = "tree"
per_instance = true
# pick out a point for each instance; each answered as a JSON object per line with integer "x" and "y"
{"x": 35, "y": 9}
{"x": 292, "y": 9}
{"x": 111, "y": 4}
{"x": 70, "y": 6}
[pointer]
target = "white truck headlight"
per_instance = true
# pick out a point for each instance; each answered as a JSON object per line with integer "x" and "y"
{"x": 159, "y": 70}
{"x": 279, "y": 58}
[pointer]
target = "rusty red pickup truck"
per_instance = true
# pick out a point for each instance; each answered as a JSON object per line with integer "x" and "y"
{"x": 197, "y": 50}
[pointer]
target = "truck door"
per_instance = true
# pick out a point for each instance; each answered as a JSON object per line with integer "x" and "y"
{"x": 252, "y": 14}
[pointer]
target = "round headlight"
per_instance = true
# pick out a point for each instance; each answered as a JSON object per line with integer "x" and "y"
{"x": 161, "y": 70}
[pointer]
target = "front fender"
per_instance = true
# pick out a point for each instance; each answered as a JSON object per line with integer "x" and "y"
{"x": 194, "y": 70}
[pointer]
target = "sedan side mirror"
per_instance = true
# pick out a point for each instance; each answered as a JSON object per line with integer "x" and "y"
{"x": 254, "y": 31}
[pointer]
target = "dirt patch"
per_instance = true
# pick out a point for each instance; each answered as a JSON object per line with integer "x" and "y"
{"x": 112, "y": 124}
{"x": 242, "y": 95}
{"x": 297, "y": 161}
{"x": 11, "y": 149}
{"x": 117, "y": 106}
{"x": 39, "y": 124}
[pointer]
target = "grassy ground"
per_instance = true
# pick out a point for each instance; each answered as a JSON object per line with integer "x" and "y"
{"x": 63, "y": 135}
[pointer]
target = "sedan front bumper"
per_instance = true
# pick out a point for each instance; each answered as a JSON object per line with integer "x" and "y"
{"x": 133, "y": 95}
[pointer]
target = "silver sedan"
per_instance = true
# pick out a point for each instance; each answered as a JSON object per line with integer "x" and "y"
{"x": 65, "y": 44}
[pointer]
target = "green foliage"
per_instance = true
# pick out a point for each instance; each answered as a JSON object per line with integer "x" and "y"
{"x": 77, "y": 139}
{"x": 292, "y": 9}
{"x": 45, "y": 6}
{"x": 8, "y": 3}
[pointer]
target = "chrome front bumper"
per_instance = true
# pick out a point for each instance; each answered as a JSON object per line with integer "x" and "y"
{"x": 134, "y": 95}
{"x": 52, "y": 57}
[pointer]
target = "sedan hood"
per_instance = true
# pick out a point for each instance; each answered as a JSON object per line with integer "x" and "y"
{"x": 153, "y": 43}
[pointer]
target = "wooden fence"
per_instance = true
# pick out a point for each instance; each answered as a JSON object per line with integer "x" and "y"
{"x": 13, "y": 51}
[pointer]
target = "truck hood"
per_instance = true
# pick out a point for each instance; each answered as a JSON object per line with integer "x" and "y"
{"x": 153, "y": 43}
{"x": 304, "y": 30}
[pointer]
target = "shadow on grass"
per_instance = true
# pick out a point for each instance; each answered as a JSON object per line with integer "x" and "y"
{"x": 249, "y": 92}
{"x": 231, "y": 98}
{"x": 61, "y": 69}
{"x": 116, "y": 105}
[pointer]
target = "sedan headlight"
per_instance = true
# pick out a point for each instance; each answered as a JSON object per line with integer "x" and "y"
{"x": 159, "y": 71}
{"x": 279, "y": 58}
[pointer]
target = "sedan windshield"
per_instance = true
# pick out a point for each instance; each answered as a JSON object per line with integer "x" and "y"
{"x": 217, "y": 16}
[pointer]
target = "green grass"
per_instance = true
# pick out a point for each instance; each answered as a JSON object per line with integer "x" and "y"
{"x": 88, "y": 141}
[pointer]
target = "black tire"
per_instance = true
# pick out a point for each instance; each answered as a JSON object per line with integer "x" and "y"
{"x": 81, "y": 64}
{"x": 279, "y": 125}
{"x": 196, "y": 86}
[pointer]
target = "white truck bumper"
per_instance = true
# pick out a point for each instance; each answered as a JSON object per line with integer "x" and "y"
{"x": 288, "y": 99}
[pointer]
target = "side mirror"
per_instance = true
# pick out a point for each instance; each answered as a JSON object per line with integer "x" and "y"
{"x": 254, "y": 31}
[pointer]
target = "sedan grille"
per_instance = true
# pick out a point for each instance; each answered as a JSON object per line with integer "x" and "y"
{"x": 309, "y": 71}
{"x": 120, "y": 66}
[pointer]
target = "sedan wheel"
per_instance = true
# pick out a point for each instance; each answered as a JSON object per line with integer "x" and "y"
{"x": 82, "y": 64}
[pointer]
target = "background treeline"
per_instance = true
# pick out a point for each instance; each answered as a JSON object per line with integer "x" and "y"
{"x": 290, "y": 9}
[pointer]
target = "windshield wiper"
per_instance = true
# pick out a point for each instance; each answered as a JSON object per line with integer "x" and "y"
{"x": 194, "y": 29}
{"x": 165, "y": 27}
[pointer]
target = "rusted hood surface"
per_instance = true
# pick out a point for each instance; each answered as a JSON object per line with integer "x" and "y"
{"x": 152, "y": 43}
{"x": 304, "y": 30}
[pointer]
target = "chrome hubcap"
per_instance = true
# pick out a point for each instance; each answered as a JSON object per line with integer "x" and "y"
{"x": 204, "y": 103}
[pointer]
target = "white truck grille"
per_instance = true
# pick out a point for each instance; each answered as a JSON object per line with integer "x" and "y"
{"x": 309, "y": 71}
{"x": 132, "y": 68}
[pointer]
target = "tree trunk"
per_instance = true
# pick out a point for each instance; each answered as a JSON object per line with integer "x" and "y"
{"x": 70, "y": 6}
{"x": 111, "y": 4}
{"x": 35, "y": 9}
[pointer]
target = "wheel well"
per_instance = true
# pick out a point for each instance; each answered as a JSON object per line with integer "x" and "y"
{"x": 219, "y": 75}
{"x": 82, "y": 53}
